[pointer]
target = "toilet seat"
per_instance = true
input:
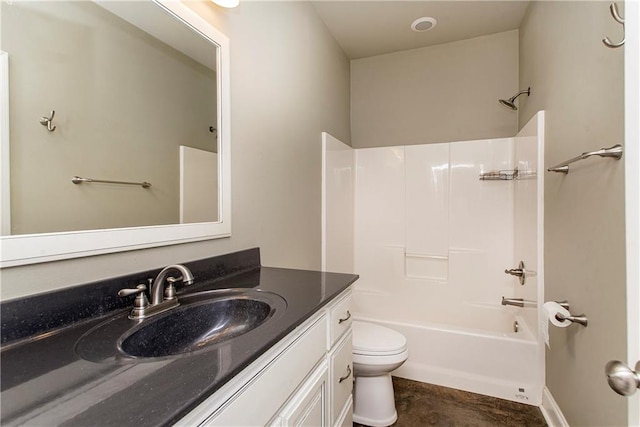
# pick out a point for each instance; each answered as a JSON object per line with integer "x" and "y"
{"x": 375, "y": 340}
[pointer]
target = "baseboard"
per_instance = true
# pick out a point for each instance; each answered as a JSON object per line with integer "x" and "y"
{"x": 551, "y": 411}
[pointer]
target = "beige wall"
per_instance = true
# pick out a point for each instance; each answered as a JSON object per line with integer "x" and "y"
{"x": 579, "y": 82}
{"x": 124, "y": 104}
{"x": 441, "y": 93}
{"x": 290, "y": 81}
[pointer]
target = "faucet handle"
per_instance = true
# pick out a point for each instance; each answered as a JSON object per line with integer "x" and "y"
{"x": 173, "y": 280}
{"x": 141, "y": 302}
{"x": 126, "y": 292}
{"x": 170, "y": 289}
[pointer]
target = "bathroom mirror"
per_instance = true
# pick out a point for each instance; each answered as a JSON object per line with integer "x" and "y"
{"x": 129, "y": 92}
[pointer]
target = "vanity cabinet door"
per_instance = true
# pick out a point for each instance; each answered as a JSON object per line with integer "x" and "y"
{"x": 309, "y": 406}
{"x": 341, "y": 376}
{"x": 259, "y": 400}
{"x": 346, "y": 417}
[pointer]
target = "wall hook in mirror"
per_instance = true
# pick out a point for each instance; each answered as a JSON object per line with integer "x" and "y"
{"x": 48, "y": 121}
{"x": 613, "y": 8}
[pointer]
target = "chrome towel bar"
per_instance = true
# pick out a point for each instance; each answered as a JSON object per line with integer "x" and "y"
{"x": 614, "y": 152}
{"x": 79, "y": 180}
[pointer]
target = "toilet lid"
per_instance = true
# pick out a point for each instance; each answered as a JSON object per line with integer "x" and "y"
{"x": 369, "y": 338}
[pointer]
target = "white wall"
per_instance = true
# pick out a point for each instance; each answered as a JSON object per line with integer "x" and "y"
{"x": 282, "y": 98}
{"x": 441, "y": 93}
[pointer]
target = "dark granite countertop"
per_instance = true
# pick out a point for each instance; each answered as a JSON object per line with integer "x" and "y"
{"x": 45, "y": 382}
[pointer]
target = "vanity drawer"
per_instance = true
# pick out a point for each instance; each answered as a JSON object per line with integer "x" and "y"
{"x": 341, "y": 376}
{"x": 340, "y": 319}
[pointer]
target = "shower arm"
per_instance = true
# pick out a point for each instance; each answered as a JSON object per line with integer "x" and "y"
{"x": 513, "y": 98}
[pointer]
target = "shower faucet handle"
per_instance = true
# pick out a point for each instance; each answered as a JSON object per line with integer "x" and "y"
{"x": 519, "y": 272}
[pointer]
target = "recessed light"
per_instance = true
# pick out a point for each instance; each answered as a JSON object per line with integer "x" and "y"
{"x": 423, "y": 24}
{"x": 227, "y": 3}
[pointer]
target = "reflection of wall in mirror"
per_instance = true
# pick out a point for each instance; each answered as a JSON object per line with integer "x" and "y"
{"x": 198, "y": 185}
{"x": 124, "y": 102}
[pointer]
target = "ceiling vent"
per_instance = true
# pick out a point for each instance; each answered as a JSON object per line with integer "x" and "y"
{"x": 423, "y": 24}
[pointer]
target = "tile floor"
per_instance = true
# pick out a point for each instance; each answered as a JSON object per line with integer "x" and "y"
{"x": 420, "y": 404}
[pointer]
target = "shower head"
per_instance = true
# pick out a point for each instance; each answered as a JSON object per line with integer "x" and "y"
{"x": 510, "y": 103}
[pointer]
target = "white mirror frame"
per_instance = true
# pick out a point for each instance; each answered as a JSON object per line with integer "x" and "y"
{"x": 36, "y": 248}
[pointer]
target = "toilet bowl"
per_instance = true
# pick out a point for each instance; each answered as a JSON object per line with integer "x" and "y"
{"x": 377, "y": 351}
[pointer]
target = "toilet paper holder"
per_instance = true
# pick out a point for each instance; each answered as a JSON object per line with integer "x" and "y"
{"x": 580, "y": 318}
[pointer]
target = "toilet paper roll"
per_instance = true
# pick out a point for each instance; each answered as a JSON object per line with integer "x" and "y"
{"x": 552, "y": 308}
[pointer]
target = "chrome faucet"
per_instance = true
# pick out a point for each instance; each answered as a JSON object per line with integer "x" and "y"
{"x": 158, "y": 289}
{"x": 162, "y": 298}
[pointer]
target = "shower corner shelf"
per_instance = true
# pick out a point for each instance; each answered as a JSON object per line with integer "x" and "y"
{"x": 507, "y": 175}
{"x": 499, "y": 175}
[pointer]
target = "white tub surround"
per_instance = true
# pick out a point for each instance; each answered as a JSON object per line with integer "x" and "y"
{"x": 429, "y": 232}
{"x": 337, "y": 193}
{"x": 431, "y": 244}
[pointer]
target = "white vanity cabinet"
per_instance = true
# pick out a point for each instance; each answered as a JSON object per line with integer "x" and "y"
{"x": 304, "y": 380}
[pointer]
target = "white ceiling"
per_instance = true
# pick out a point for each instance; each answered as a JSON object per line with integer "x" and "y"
{"x": 370, "y": 28}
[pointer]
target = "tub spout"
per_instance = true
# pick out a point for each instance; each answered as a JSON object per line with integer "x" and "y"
{"x": 516, "y": 302}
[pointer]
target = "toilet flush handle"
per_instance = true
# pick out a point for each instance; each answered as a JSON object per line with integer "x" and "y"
{"x": 346, "y": 318}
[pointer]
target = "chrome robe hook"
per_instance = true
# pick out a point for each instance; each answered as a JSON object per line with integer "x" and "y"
{"x": 48, "y": 121}
{"x": 616, "y": 15}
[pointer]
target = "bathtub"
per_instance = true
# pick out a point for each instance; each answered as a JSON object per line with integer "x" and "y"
{"x": 484, "y": 356}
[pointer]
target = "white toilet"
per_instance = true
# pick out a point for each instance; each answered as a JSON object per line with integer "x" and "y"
{"x": 377, "y": 351}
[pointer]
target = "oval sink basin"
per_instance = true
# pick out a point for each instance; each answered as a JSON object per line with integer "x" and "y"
{"x": 190, "y": 328}
{"x": 202, "y": 320}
